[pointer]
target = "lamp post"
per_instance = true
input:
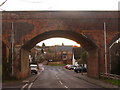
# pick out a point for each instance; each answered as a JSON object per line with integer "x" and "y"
{"x": 105, "y": 47}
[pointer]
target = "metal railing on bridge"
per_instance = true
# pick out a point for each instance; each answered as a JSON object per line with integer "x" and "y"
{"x": 110, "y": 76}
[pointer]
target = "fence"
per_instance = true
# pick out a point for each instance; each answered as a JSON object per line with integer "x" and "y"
{"x": 110, "y": 76}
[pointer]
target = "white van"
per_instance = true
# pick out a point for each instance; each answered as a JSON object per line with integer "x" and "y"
{"x": 34, "y": 68}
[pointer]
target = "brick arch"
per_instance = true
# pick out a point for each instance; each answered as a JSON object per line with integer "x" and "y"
{"x": 116, "y": 37}
{"x": 30, "y": 26}
{"x": 85, "y": 42}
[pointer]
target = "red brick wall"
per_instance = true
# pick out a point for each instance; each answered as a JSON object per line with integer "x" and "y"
{"x": 28, "y": 25}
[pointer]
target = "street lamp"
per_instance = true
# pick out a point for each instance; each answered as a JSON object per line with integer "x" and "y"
{"x": 105, "y": 47}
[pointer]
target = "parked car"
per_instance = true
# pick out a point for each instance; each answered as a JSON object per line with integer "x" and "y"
{"x": 80, "y": 69}
{"x": 72, "y": 67}
{"x": 50, "y": 60}
{"x": 34, "y": 68}
{"x": 66, "y": 66}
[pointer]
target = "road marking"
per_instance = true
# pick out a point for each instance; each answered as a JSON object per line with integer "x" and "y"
{"x": 24, "y": 86}
{"x": 25, "y": 81}
{"x": 30, "y": 86}
{"x": 60, "y": 82}
{"x": 57, "y": 77}
{"x": 65, "y": 86}
{"x": 38, "y": 74}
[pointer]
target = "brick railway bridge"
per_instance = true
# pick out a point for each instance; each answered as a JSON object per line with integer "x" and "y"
{"x": 27, "y": 28}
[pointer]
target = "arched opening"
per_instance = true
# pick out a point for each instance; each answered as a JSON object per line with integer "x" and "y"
{"x": 85, "y": 42}
{"x": 6, "y": 62}
{"x": 56, "y": 51}
{"x": 79, "y": 38}
{"x": 114, "y": 55}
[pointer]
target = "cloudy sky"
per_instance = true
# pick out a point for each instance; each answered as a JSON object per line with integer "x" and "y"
{"x": 22, "y": 5}
{"x": 58, "y": 41}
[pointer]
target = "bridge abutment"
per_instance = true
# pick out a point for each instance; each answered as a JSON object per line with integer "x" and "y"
{"x": 93, "y": 63}
{"x": 24, "y": 65}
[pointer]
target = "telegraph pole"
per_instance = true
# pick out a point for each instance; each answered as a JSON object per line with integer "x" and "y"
{"x": 105, "y": 47}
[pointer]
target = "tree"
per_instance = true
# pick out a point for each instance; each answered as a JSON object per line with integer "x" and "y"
{"x": 83, "y": 58}
{"x": 43, "y": 45}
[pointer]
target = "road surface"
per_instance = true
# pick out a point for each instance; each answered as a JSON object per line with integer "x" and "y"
{"x": 59, "y": 77}
{"x": 56, "y": 77}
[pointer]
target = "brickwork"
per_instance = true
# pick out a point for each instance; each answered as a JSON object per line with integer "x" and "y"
{"x": 85, "y": 28}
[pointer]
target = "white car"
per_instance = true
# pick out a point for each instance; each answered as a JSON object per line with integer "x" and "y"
{"x": 50, "y": 60}
{"x": 34, "y": 68}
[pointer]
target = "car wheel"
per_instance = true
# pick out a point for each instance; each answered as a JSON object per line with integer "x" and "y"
{"x": 78, "y": 71}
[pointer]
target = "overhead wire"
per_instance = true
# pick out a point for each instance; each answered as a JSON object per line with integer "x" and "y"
{"x": 3, "y": 3}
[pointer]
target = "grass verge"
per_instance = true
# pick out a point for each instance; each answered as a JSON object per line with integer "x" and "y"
{"x": 56, "y": 64}
{"x": 112, "y": 81}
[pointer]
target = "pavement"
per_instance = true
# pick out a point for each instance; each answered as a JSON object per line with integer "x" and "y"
{"x": 30, "y": 79}
{"x": 19, "y": 83}
{"x": 97, "y": 81}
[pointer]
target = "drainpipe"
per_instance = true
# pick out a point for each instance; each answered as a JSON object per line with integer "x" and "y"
{"x": 12, "y": 47}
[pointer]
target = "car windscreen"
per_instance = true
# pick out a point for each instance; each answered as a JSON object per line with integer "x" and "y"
{"x": 33, "y": 66}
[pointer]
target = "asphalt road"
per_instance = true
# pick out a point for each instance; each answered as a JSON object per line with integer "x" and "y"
{"x": 53, "y": 78}
{"x": 59, "y": 77}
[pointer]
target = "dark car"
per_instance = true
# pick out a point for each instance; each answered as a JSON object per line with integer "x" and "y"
{"x": 80, "y": 69}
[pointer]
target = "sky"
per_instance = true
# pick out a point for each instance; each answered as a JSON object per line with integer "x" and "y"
{"x": 46, "y": 5}
{"x": 59, "y": 5}
{"x": 58, "y": 41}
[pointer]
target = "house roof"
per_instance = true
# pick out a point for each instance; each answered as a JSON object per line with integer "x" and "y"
{"x": 64, "y": 48}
